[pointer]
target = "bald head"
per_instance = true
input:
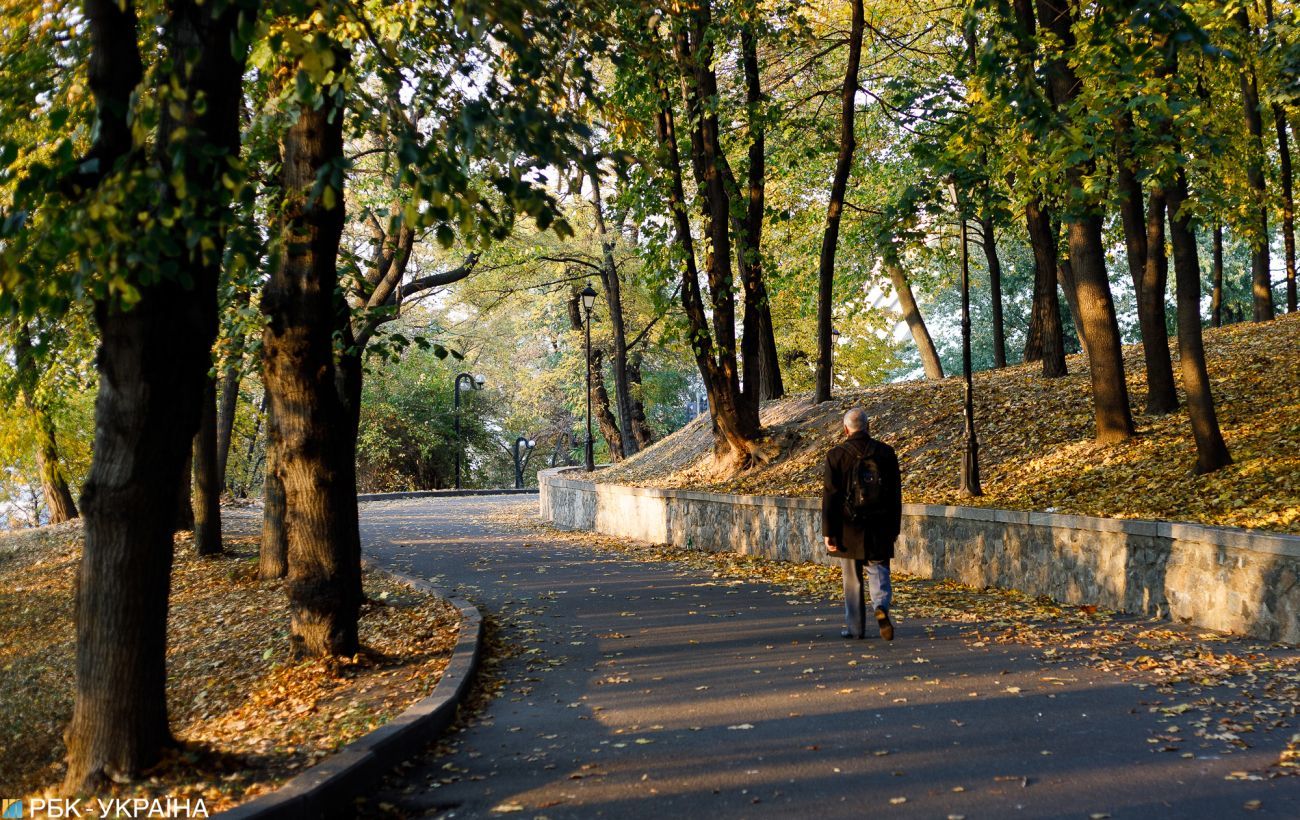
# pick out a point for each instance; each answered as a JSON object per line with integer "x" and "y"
{"x": 855, "y": 421}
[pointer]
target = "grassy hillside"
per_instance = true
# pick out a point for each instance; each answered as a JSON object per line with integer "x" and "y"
{"x": 1036, "y": 448}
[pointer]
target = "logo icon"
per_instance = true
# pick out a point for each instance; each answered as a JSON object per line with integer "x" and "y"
{"x": 11, "y": 809}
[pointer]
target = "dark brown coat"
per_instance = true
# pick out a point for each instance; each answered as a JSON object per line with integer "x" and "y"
{"x": 875, "y": 542}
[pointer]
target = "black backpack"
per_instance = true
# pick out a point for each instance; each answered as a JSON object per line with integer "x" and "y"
{"x": 862, "y": 488}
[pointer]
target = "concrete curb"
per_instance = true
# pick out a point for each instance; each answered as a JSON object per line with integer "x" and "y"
{"x": 442, "y": 494}
{"x": 327, "y": 789}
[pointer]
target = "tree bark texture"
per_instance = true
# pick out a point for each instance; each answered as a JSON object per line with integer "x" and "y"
{"x": 1144, "y": 239}
{"x": 307, "y": 415}
{"x": 152, "y": 364}
{"x": 273, "y": 554}
{"x": 1288, "y": 202}
{"x": 229, "y": 395}
{"x": 1151, "y": 287}
{"x": 1261, "y": 281}
{"x": 737, "y": 432}
{"x": 54, "y": 483}
{"x": 1216, "y": 296}
{"x": 626, "y": 445}
{"x": 915, "y": 321}
{"x": 995, "y": 288}
{"x": 207, "y": 480}
{"x": 835, "y": 207}
{"x": 1046, "y": 342}
{"x": 1211, "y": 451}
{"x": 1098, "y": 323}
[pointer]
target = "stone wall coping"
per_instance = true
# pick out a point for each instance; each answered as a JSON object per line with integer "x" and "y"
{"x": 1271, "y": 543}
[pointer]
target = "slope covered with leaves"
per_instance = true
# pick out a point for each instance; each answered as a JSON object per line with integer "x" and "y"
{"x": 249, "y": 717}
{"x": 1035, "y": 437}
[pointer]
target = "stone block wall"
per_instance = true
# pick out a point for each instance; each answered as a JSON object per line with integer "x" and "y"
{"x": 1232, "y": 580}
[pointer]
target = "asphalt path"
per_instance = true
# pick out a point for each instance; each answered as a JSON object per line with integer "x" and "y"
{"x": 641, "y": 689}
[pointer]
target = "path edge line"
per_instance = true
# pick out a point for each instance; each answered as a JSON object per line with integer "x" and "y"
{"x": 327, "y": 789}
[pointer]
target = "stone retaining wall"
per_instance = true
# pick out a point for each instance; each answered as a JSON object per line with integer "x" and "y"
{"x": 1233, "y": 580}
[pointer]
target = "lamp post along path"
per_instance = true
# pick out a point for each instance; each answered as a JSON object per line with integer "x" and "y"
{"x": 475, "y": 382}
{"x": 588, "y": 300}
{"x": 528, "y": 445}
{"x": 969, "y": 484}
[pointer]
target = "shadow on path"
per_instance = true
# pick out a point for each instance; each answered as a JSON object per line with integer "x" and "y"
{"x": 642, "y": 690}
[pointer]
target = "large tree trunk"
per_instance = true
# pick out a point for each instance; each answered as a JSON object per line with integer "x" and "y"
{"x": 1211, "y": 452}
{"x": 1261, "y": 280}
{"x": 1288, "y": 203}
{"x": 1046, "y": 340}
{"x": 1099, "y": 326}
{"x": 640, "y": 426}
{"x": 758, "y": 346}
{"x": 152, "y": 363}
{"x": 601, "y": 406}
{"x": 273, "y": 555}
{"x": 308, "y": 418}
{"x": 915, "y": 322}
{"x": 1144, "y": 235}
{"x": 207, "y": 480}
{"x": 1161, "y": 395}
{"x": 626, "y": 445}
{"x": 835, "y": 207}
{"x": 737, "y": 432}
{"x": 995, "y": 288}
{"x": 229, "y": 395}
{"x": 54, "y": 484}
{"x": 1216, "y": 296}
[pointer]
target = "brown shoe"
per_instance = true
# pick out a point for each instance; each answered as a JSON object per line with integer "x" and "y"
{"x": 886, "y": 626}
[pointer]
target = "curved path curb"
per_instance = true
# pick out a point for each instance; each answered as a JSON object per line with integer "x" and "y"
{"x": 326, "y": 789}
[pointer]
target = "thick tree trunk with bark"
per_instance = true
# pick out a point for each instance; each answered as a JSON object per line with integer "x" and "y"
{"x": 1046, "y": 340}
{"x": 308, "y": 417}
{"x": 600, "y": 406}
{"x": 54, "y": 483}
{"x": 273, "y": 554}
{"x": 1151, "y": 287}
{"x": 1216, "y": 296}
{"x": 1288, "y": 203}
{"x": 915, "y": 322}
{"x": 1144, "y": 238}
{"x": 152, "y": 363}
{"x": 626, "y": 445}
{"x": 738, "y": 436}
{"x": 995, "y": 288}
{"x": 1211, "y": 451}
{"x": 640, "y": 426}
{"x": 207, "y": 480}
{"x": 1261, "y": 279}
{"x": 835, "y": 207}
{"x": 1098, "y": 324}
{"x": 229, "y": 395}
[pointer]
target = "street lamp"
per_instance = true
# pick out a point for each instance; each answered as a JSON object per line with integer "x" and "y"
{"x": 588, "y": 301}
{"x": 528, "y": 444}
{"x": 475, "y": 382}
{"x": 835, "y": 342}
{"x": 970, "y": 465}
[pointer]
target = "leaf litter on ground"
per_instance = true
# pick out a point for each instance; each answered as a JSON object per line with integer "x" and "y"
{"x": 247, "y": 717}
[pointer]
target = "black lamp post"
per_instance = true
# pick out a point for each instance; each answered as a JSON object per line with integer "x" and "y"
{"x": 970, "y": 464}
{"x": 475, "y": 382}
{"x": 528, "y": 444}
{"x": 588, "y": 301}
{"x": 835, "y": 342}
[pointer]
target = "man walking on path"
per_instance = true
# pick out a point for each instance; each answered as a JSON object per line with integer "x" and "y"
{"x": 862, "y": 511}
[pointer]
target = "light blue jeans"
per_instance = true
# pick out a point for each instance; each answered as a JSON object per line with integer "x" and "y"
{"x": 882, "y": 593}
